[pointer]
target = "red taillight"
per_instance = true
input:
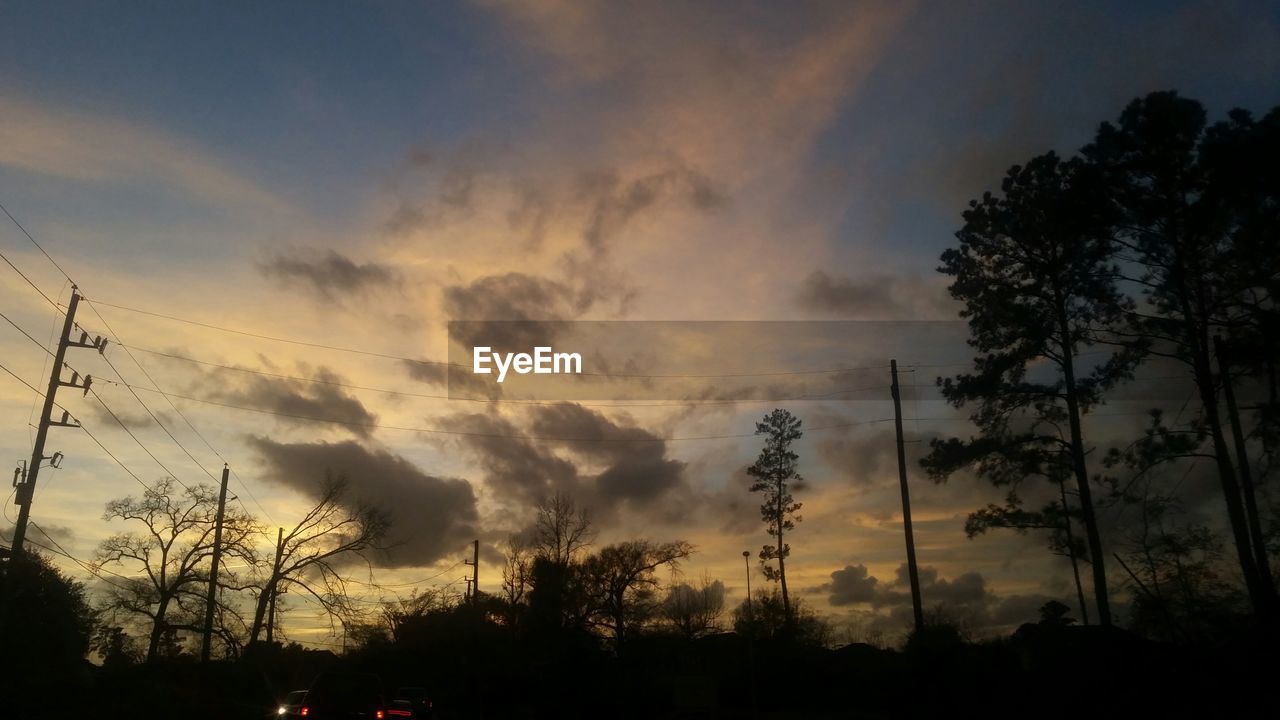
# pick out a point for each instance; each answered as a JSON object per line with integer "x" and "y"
{"x": 378, "y": 715}
{"x": 305, "y": 711}
{"x": 399, "y": 713}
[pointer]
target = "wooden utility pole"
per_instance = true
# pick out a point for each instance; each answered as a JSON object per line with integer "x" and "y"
{"x": 213, "y": 568}
{"x": 275, "y": 587}
{"x": 475, "y": 572}
{"x": 25, "y": 490}
{"x": 912, "y": 570}
{"x": 1222, "y": 348}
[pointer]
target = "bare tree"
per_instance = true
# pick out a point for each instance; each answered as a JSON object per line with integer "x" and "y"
{"x": 621, "y": 582}
{"x": 311, "y": 554}
{"x": 561, "y": 529}
{"x": 172, "y": 556}
{"x": 517, "y": 572}
{"x": 694, "y": 611}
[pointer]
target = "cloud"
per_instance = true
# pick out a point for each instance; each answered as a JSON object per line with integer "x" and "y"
{"x": 608, "y": 464}
{"x": 329, "y": 275}
{"x": 133, "y": 421}
{"x": 851, "y": 585}
{"x": 876, "y": 296}
{"x": 965, "y": 595}
{"x": 518, "y": 471}
{"x": 614, "y": 203}
{"x": 432, "y": 517}
{"x": 64, "y": 143}
{"x": 458, "y": 382}
{"x": 638, "y": 471}
{"x": 296, "y": 402}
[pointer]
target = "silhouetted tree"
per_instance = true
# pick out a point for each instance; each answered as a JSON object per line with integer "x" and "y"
{"x": 1055, "y": 613}
{"x": 116, "y": 646}
{"x": 1034, "y": 271}
{"x": 1203, "y": 257}
{"x": 775, "y": 472}
{"x": 330, "y": 534}
{"x": 169, "y": 559}
{"x": 561, "y": 529}
{"x": 1055, "y": 516}
{"x": 45, "y": 624}
{"x": 694, "y": 611}
{"x": 622, "y": 584}
{"x": 516, "y": 570}
{"x": 765, "y": 616}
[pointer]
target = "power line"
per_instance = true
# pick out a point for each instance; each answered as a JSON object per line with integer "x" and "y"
{"x": 39, "y": 393}
{"x": 113, "y": 457}
{"x": 408, "y": 584}
{"x": 180, "y": 414}
{"x": 29, "y": 281}
{"x": 430, "y": 396}
{"x": 17, "y": 327}
{"x": 38, "y": 246}
{"x": 125, "y": 427}
{"x": 59, "y": 268}
{"x": 440, "y": 431}
{"x": 387, "y": 356}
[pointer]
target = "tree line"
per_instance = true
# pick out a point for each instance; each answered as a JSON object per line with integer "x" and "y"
{"x": 1156, "y": 245}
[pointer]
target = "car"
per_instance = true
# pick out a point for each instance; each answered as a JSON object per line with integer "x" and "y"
{"x": 345, "y": 696}
{"x": 401, "y": 710}
{"x": 418, "y": 699}
{"x": 291, "y": 705}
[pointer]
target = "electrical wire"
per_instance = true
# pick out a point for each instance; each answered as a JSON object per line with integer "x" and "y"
{"x": 145, "y": 449}
{"x": 464, "y": 433}
{"x": 387, "y": 391}
{"x": 64, "y": 273}
{"x": 402, "y": 358}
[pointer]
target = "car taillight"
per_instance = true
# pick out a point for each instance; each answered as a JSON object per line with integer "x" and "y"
{"x": 305, "y": 711}
{"x": 379, "y": 715}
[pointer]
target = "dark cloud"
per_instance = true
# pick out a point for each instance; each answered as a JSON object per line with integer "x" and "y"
{"x": 131, "y": 420}
{"x": 876, "y": 296}
{"x": 864, "y": 458}
{"x": 532, "y": 214}
{"x": 637, "y": 471}
{"x": 614, "y": 203}
{"x": 1014, "y": 610}
{"x": 297, "y": 402}
{"x": 519, "y": 471}
{"x": 432, "y": 516}
{"x": 964, "y": 598}
{"x": 458, "y": 382}
{"x": 850, "y": 585}
{"x": 331, "y": 276}
{"x": 517, "y": 299}
{"x": 607, "y": 464}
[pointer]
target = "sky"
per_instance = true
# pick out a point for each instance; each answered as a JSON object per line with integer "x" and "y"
{"x": 357, "y": 175}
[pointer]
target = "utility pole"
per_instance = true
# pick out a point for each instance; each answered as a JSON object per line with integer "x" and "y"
{"x": 1222, "y": 349}
{"x": 25, "y": 483}
{"x": 213, "y": 569}
{"x": 473, "y": 584}
{"x": 275, "y": 587}
{"x": 912, "y": 570}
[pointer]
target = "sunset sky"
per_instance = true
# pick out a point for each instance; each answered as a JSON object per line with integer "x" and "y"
{"x": 357, "y": 175}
